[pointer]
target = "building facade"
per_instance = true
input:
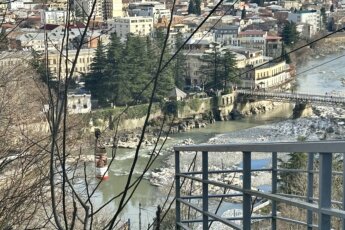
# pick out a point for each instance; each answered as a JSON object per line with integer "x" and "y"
{"x": 142, "y": 26}
{"x": 268, "y": 76}
{"x": 78, "y": 101}
{"x": 310, "y": 17}
{"x": 83, "y": 64}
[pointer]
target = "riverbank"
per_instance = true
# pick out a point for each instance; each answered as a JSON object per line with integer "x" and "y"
{"x": 326, "y": 123}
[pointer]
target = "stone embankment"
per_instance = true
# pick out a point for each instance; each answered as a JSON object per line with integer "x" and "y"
{"x": 256, "y": 107}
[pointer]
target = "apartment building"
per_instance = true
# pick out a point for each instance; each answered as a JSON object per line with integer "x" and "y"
{"x": 268, "y": 76}
{"x": 254, "y": 39}
{"x": 82, "y": 66}
{"x": 142, "y": 26}
{"x": 12, "y": 59}
{"x": 311, "y": 18}
{"x": 226, "y": 34}
{"x": 53, "y": 17}
{"x": 155, "y": 10}
{"x": 78, "y": 101}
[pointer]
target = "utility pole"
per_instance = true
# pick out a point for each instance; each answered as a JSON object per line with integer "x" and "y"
{"x": 139, "y": 216}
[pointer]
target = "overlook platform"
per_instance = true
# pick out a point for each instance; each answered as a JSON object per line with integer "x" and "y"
{"x": 321, "y": 210}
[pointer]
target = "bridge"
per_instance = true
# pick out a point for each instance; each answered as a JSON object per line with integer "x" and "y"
{"x": 297, "y": 97}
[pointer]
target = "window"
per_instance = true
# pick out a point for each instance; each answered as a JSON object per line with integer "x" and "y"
{"x": 85, "y": 106}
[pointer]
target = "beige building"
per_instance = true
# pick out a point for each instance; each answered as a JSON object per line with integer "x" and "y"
{"x": 268, "y": 76}
{"x": 12, "y": 59}
{"x": 142, "y": 26}
{"x": 82, "y": 66}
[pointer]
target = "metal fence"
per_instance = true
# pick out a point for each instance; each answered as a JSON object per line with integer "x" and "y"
{"x": 321, "y": 206}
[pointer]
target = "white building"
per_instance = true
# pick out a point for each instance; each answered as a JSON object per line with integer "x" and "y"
{"x": 155, "y": 10}
{"x": 311, "y": 18}
{"x": 20, "y": 4}
{"x": 53, "y": 17}
{"x": 78, "y": 101}
{"x": 86, "y": 5}
{"x": 141, "y": 26}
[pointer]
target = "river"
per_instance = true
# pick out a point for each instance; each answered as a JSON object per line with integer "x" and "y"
{"x": 324, "y": 79}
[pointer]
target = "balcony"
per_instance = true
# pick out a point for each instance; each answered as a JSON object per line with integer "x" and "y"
{"x": 320, "y": 210}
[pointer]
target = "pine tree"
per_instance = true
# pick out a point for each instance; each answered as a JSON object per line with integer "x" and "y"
{"x": 166, "y": 79}
{"x": 95, "y": 79}
{"x": 197, "y": 7}
{"x": 284, "y": 56}
{"x": 229, "y": 70}
{"x": 219, "y": 69}
{"x": 290, "y": 182}
{"x": 290, "y": 34}
{"x": 180, "y": 66}
{"x": 323, "y": 16}
{"x": 191, "y": 7}
{"x": 210, "y": 68}
{"x": 243, "y": 14}
{"x": 117, "y": 81}
{"x": 331, "y": 8}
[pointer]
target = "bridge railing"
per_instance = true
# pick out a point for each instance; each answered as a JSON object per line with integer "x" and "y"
{"x": 294, "y": 96}
{"x": 320, "y": 155}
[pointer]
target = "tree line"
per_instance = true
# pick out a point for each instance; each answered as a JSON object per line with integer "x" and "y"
{"x": 122, "y": 70}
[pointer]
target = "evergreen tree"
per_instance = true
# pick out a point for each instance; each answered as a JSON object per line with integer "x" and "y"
{"x": 120, "y": 74}
{"x": 331, "y": 8}
{"x": 331, "y": 25}
{"x": 210, "y": 68}
{"x": 290, "y": 182}
{"x": 323, "y": 16}
{"x": 135, "y": 67}
{"x": 284, "y": 56}
{"x": 191, "y": 7}
{"x": 95, "y": 79}
{"x": 197, "y": 7}
{"x": 290, "y": 34}
{"x": 166, "y": 80}
{"x": 180, "y": 69}
{"x": 117, "y": 81}
{"x": 229, "y": 70}
{"x": 243, "y": 14}
{"x": 219, "y": 69}
{"x": 194, "y": 7}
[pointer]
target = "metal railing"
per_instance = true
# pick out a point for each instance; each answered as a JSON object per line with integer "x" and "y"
{"x": 323, "y": 151}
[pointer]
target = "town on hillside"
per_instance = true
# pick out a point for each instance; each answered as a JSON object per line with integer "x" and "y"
{"x": 124, "y": 38}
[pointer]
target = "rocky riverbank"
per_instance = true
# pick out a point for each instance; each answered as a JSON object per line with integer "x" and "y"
{"x": 326, "y": 123}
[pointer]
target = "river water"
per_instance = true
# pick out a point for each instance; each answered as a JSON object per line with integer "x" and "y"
{"x": 324, "y": 79}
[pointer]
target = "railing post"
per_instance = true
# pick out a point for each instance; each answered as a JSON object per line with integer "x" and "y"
{"x": 204, "y": 190}
{"x": 343, "y": 188}
{"x": 246, "y": 208}
{"x": 310, "y": 185}
{"x": 274, "y": 190}
{"x": 177, "y": 189}
{"x": 325, "y": 188}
